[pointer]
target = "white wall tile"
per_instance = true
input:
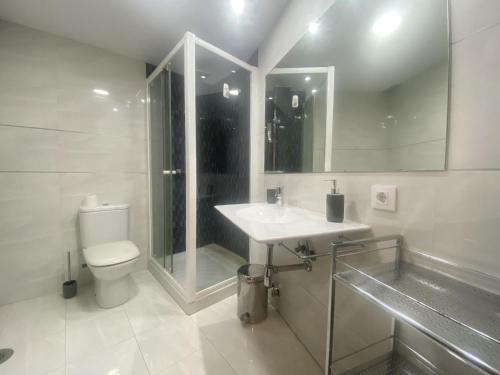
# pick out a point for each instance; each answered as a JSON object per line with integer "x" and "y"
{"x": 77, "y": 152}
{"x": 52, "y": 121}
{"x": 30, "y": 43}
{"x": 27, "y": 106}
{"x": 28, "y": 206}
{"x": 30, "y": 268}
{"x": 469, "y": 17}
{"x": 467, "y": 218}
{"x": 27, "y": 149}
{"x": 475, "y": 90}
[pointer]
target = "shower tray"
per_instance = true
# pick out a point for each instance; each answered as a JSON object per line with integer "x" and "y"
{"x": 427, "y": 295}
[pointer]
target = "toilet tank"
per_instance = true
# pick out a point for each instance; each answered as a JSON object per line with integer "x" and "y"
{"x": 100, "y": 224}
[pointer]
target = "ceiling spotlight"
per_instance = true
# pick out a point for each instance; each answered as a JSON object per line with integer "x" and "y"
{"x": 203, "y": 77}
{"x": 307, "y": 78}
{"x": 143, "y": 100}
{"x": 115, "y": 109}
{"x": 314, "y": 91}
{"x": 238, "y": 6}
{"x": 313, "y": 27}
{"x": 386, "y": 24}
{"x": 234, "y": 92}
{"x": 233, "y": 71}
{"x": 101, "y": 92}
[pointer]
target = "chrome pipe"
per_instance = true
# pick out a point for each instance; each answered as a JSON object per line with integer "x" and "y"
{"x": 365, "y": 241}
{"x": 346, "y": 253}
{"x": 307, "y": 266}
{"x": 268, "y": 272}
{"x": 305, "y": 257}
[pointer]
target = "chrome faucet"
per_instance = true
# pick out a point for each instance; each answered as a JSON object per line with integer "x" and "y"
{"x": 279, "y": 196}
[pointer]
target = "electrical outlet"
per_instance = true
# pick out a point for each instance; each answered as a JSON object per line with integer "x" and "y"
{"x": 383, "y": 197}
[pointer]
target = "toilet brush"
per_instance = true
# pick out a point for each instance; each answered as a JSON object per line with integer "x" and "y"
{"x": 69, "y": 287}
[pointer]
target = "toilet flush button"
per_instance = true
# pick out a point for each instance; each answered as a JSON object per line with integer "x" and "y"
{"x": 383, "y": 197}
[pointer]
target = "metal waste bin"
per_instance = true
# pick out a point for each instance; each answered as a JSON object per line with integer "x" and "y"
{"x": 252, "y": 294}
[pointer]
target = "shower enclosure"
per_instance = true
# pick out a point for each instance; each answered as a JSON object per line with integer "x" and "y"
{"x": 199, "y": 156}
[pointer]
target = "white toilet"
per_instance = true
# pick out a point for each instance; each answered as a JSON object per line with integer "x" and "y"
{"x": 107, "y": 251}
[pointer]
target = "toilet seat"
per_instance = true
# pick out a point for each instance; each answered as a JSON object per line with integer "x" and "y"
{"x": 110, "y": 253}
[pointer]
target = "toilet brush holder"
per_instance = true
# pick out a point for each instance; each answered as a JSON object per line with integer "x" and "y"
{"x": 69, "y": 287}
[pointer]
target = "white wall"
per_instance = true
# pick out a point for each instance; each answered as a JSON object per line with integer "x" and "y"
{"x": 454, "y": 214}
{"x": 58, "y": 143}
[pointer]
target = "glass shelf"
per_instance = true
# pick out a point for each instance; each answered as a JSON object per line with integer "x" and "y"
{"x": 461, "y": 317}
{"x": 394, "y": 365}
{"x": 403, "y": 360}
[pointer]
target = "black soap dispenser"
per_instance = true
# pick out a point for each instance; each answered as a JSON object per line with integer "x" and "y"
{"x": 335, "y": 205}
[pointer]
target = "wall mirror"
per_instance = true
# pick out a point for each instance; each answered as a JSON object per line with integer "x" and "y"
{"x": 364, "y": 90}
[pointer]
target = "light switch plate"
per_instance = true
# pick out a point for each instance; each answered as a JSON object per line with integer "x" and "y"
{"x": 383, "y": 197}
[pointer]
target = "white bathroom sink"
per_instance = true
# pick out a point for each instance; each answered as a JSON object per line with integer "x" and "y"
{"x": 268, "y": 213}
{"x": 269, "y": 223}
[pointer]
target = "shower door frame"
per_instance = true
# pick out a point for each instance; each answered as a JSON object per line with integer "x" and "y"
{"x": 188, "y": 295}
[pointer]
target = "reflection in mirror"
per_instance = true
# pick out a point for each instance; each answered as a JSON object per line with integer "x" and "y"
{"x": 389, "y": 68}
{"x": 296, "y": 120}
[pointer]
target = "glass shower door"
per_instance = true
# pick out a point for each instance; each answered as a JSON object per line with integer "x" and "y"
{"x": 222, "y": 165}
{"x": 161, "y": 167}
{"x": 199, "y": 130}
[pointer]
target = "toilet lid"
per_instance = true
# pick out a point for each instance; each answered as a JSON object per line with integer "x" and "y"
{"x": 110, "y": 253}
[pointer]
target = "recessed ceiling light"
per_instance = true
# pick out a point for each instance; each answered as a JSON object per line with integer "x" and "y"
{"x": 101, "y": 92}
{"x": 313, "y": 27}
{"x": 115, "y": 109}
{"x": 314, "y": 91}
{"x": 238, "y": 6}
{"x": 386, "y": 24}
{"x": 143, "y": 100}
{"x": 307, "y": 78}
{"x": 234, "y": 92}
{"x": 233, "y": 71}
{"x": 270, "y": 98}
{"x": 203, "y": 77}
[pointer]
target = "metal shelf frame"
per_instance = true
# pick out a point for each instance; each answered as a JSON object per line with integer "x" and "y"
{"x": 460, "y": 317}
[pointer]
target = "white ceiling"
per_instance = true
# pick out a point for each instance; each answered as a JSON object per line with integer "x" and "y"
{"x": 147, "y": 29}
{"x": 364, "y": 61}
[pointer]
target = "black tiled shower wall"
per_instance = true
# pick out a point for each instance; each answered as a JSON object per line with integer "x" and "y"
{"x": 178, "y": 162}
{"x": 223, "y": 151}
{"x": 288, "y": 135}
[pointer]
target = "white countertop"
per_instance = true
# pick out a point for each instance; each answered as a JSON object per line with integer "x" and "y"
{"x": 268, "y": 223}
